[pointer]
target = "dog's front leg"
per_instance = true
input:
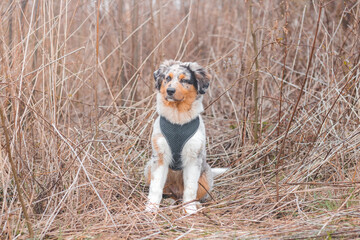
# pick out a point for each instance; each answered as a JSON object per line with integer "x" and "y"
{"x": 191, "y": 177}
{"x": 157, "y": 182}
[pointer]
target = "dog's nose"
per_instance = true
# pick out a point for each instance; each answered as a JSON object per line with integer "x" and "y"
{"x": 170, "y": 91}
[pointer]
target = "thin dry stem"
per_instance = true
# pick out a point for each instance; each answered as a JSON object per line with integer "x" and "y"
{"x": 14, "y": 172}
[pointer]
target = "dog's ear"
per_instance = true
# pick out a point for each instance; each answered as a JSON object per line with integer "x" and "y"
{"x": 160, "y": 73}
{"x": 158, "y": 76}
{"x": 202, "y": 77}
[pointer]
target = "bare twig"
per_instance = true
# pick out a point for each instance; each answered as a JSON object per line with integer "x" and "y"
{"x": 256, "y": 75}
{"x": 16, "y": 178}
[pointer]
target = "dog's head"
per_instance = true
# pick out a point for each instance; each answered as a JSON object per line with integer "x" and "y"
{"x": 181, "y": 81}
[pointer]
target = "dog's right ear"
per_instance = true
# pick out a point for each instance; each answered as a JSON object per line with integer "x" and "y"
{"x": 158, "y": 76}
{"x": 160, "y": 73}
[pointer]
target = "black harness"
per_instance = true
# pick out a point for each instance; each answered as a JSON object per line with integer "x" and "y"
{"x": 176, "y": 136}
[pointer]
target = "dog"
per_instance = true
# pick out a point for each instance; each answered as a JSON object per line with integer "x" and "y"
{"x": 178, "y": 167}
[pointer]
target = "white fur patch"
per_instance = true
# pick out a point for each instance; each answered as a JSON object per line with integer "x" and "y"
{"x": 174, "y": 116}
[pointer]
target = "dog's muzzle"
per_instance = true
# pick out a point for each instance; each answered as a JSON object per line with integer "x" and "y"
{"x": 170, "y": 94}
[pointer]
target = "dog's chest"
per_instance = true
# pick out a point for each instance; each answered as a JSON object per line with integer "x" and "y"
{"x": 176, "y": 136}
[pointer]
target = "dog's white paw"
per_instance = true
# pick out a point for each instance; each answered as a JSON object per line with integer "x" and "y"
{"x": 191, "y": 208}
{"x": 152, "y": 207}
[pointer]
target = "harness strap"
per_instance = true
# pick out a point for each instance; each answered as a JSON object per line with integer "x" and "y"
{"x": 176, "y": 136}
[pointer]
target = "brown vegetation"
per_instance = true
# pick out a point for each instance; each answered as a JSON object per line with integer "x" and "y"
{"x": 282, "y": 111}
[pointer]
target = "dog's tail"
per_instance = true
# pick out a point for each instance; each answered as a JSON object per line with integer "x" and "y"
{"x": 218, "y": 171}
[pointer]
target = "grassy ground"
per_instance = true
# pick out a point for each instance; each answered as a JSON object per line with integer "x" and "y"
{"x": 282, "y": 112}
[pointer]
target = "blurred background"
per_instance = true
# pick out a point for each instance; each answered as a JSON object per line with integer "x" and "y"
{"x": 282, "y": 112}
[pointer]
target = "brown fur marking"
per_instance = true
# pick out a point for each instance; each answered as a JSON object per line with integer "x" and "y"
{"x": 203, "y": 187}
{"x": 149, "y": 176}
{"x": 156, "y": 147}
{"x": 174, "y": 186}
{"x": 182, "y": 76}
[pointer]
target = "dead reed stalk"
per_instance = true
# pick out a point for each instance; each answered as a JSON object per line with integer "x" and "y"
{"x": 14, "y": 172}
{"x": 255, "y": 86}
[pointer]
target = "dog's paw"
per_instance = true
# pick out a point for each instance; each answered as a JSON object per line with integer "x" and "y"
{"x": 152, "y": 207}
{"x": 191, "y": 208}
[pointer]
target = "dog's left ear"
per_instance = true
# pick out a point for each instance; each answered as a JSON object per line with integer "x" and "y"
{"x": 202, "y": 77}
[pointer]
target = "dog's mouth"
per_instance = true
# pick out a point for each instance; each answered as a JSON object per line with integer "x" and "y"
{"x": 172, "y": 99}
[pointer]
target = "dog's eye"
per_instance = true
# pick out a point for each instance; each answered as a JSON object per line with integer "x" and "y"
{"x": 168, "y": 78}
{"x": 185, "y": 81}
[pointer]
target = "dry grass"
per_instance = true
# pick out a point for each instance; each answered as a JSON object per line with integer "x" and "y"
{"x": 79, "y": 105}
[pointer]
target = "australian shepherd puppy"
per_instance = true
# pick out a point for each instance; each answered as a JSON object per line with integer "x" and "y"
{"x": 178, "y": 167}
